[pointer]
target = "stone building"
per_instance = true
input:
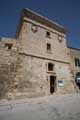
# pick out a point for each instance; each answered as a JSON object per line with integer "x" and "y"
{"x": 37, "y": 62}
{"x": 75, "y": 63}
{"x": 75, "y": 60}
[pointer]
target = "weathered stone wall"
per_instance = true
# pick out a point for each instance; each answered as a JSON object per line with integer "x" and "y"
{"x": 35, "y": 71}
{"x": 18, "y": 75}
{"x": 27, "y": 76}
{"x": 34, "y": 49}
{"x": 34, "y": 77}
{"x": 64, "y": 73}
{"x": 8, "y": 60}
{"x": 23, "y": 75}
{"x": 36, "y": 43}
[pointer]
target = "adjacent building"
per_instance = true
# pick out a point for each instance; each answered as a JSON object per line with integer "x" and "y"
{"x": 75, "y": 64}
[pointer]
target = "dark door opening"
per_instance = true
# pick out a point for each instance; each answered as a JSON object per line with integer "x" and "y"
{"x": 52, "y": 84}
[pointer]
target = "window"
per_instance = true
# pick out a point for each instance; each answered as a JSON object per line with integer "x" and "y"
{"x": 48, "y": 34}
{"x": 8, "y": 45}
{"x": 48, "y": 47}
{"x": 50, "y": 66}
{"x": 77, "y": 62}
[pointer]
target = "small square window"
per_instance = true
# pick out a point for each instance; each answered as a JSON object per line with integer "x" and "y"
{"x": 48, "y": 47}
{"x": 48, "y": 34}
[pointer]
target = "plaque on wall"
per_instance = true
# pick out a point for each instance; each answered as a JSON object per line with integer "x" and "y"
{"x": 60, "y": 83}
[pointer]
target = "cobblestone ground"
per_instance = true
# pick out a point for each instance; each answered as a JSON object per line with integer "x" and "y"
{"x": 64, "y": 107}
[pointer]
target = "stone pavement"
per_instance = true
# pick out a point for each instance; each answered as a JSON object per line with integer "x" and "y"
{"x": 62, "y": 107}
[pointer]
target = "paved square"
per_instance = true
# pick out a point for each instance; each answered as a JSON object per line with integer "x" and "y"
{"x": 64, "y": 107}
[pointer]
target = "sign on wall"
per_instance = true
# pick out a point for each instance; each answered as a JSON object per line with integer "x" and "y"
{"x": 60, "y": 83}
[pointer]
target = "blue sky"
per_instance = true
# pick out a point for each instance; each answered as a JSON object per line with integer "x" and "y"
{"x": 64, "y": 12}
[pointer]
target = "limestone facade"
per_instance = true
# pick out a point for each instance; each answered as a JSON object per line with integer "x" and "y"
{"x": 37, "y": 62}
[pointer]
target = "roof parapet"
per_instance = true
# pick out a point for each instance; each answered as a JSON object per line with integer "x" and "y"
{"x": 39, "y": 18}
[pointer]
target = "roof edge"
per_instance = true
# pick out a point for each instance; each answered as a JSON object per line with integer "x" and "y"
{"x": 37, "y": 17}
{"x": 73, "y": 48}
